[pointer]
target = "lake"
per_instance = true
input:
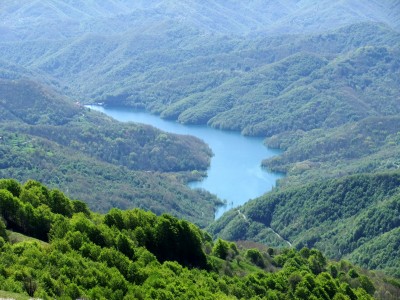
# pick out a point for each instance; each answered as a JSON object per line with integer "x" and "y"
{"x": 235, "y": 174}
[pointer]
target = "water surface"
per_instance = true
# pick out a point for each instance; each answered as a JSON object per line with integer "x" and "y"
{"x": 235, "y": 174}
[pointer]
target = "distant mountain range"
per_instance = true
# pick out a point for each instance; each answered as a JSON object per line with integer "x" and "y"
{"x": 55, "y": 19}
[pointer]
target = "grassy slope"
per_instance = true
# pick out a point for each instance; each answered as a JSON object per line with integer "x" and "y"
{"x": 14, "y": 296}
{"x": 16, "y": 237}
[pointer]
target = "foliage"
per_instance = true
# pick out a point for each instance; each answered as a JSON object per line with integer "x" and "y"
{"x": 370, "y": 145}
{"x": 329, "y": 99}
{"x": 135, "y": 254}
{"x": 46, "y": 137}
{"x": 310, "y": 90}
{"x": 355, "y": 217}
{"x": 70, "y": 125}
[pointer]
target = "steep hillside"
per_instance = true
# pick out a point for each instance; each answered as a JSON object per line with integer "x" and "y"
{"x": 304, "y": 92}
{"x": 48, "y": 137}
{"x": 70, "y": 124}
{"x": 200, "y": 78}
{"x": 55, "y": 19}
{"x": 289, "y": 87}
{"x": 369, "y": 145}
{"x": 135, "y": 254}
{"x": 311, "y": 16}
{"x": 190, "y": 61}
{"x": 318, "y": 79}
{"x": 352, "y": 217}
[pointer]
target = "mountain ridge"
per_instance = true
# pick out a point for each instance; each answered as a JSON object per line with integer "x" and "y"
{"x": 68, "y": 19}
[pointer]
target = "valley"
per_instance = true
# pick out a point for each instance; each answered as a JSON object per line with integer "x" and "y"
{"x": 48, "y": 137}
{"x": 236, "y": 160}
{"x": 317, "y": 81}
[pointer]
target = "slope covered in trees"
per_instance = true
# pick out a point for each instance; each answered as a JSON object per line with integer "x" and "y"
{"x": 285, "y": 87}
{"x": 137, "y": 147}
{"x": 329, "y": 98}
{"x": 369, "y": 145}
{"x": 48, "y": 137}
{"x": 232, "y": 65}
{"x": 154, "y": 69}
{"x": 135, "y": 254}
{"x": 354, "y": 217}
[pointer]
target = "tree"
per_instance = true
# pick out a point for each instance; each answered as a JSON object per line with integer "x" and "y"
{"x": 367, "y": 285}
{"x": 11, "y": 185}
{"x": 220, "y": 249}
{"x": 114, "y": 218}
{"x": 9, "y": 207}
{"x": 190, "y": 246}
{"x": 3, "y": 232}
{"x": 73, "y": 291}
{"x": 125, "y": 246}
{"x": 317, "y": 261}
{"x": 59, "y": 228}
{"x": 166, "y": 237}
{"x": 60, "y": 204}
{"x": 80, "y": 207}
{"x": 42, "y": 222}
{"x": 255, "y": 257}
{"x": 40, "y": 192}
{"x": 30, "y": 285}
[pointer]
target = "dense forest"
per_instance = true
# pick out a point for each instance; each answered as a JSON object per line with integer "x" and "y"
{"x": 291, "y": 71}
{"x": 319, "y": 80}
{"x": 355, "y": 218}
{"x": 48, "y": 137}
{"x": 52, "y": 247}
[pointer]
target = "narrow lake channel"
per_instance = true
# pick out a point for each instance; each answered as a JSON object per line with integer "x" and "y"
{"x": 235, "y": 173}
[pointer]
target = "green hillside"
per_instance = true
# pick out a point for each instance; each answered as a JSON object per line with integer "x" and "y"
{"x": 257, "y": 85}
{"x": 138, "y": 147}
{"x": 354, "y": 217}
{"x": 304, "y": 92}
{"x": 319, "y": 80}
{"x": 135, "y": 254}
{"x": 159, "y": 67}
{"x": 370, "y": 145}
{"x": 48, "y": 137}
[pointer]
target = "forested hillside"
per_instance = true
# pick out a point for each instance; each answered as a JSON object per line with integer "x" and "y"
{"x": 370, "y": 145}
{"x": 288, "y": 70}
{"x": 354, "y": 217}
{"x": 135, "y": 254}
{"x": 48, "y": 137}
{"x": 319, "y": 80}
{"x": 285, "y": 87}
